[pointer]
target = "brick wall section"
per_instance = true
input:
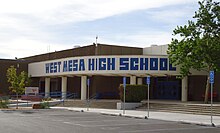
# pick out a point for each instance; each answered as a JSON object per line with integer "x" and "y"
{"x": 102, "y": 49}
{"x": 81, "y": 51}
{"x": 5, "y": 64}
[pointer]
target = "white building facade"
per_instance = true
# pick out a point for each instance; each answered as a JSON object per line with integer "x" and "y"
{"x": 106, "y": 71}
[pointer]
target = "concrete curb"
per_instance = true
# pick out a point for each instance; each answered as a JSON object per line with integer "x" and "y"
{"x": 135, "y": 116}
{"x": 69, "y": 109}
{"x": 29, "y": 103}
{"x": 112, "y": 114}
{"x": 75, "y": 110}
{"x": 7, "y": 110}
{"x": 198, "y": 123}
{"x": 124, "y": 115}
{"x": 20, "y": 110}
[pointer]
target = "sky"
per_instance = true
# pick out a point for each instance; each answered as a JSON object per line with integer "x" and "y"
{"x": 31, "y": 27}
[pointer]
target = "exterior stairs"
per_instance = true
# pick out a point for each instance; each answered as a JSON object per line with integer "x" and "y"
{"x": 161, "y": 106}
{"x": 105, "y": 104}
{"x": 200, "y": 109}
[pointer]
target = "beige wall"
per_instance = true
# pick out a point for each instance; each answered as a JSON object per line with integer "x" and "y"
{"x": 155, "y": 50}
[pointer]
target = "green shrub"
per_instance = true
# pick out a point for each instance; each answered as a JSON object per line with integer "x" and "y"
{"x": 47, "y": 99}
{"x": 45, "y": 105}
{"x": 4, "y": 102}
{"x": 133, "y": 93}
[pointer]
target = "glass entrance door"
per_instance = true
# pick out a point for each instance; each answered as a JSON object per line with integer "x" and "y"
{"x": 169, "y": 90}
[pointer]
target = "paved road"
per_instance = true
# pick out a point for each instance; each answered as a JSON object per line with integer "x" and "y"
{"x": 64, "y": 121}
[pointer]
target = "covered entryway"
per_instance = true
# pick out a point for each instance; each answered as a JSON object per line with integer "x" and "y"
{"x": 167, "y": 88}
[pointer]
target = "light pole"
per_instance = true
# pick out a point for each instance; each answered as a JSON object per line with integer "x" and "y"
{"x": 16, "y": 87}
{"x": 88, "y": 83}
{"x": 211, "y": 81}
{"x": 124, "y": 85}
{"x": 148, "y": 96}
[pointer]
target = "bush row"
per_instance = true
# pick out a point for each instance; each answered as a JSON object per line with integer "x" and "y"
{"x": 133, "y": 93}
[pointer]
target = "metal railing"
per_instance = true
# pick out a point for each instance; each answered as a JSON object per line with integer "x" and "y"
{"x": 103, "y": 94}
{"x": 59, "y": 94}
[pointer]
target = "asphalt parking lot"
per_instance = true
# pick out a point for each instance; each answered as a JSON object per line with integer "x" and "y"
{"x": 64, "y": 121}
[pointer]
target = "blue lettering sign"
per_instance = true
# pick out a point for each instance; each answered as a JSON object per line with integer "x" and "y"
{"x": 153, "y": 63}
{"x": 81, "y": 65}
{"x": 51, "y": 67}
{"x": 102, "y": 63}
{"x": 171, "y": 68}
{"x": 70, "y": 65}
{"x": 111, "y": 64}
{"x": 143, "y": 63}
{"x": 75, "y": 65}
{"x": 91, "y": 64}
{"x": 47, "y": 68}
{"x": 59, "y": 63}
{"x": 124, "y": 63}
{"x": 134, "y": 64}
{"x": 55, "y": 67}
{"x": 163, "y": 64}
{"x": 96, "y": 66}
{"x": 65, "y": 66}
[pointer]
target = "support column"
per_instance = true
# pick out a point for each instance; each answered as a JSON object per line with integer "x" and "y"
{"x": 47, "y": 87}
{"x": 184, "y": 97}
{"x": 64, "y": 87}
{"x": 140, "y": 81}
{"x": 83, "y": 87}
{"x": 133, "y": 80}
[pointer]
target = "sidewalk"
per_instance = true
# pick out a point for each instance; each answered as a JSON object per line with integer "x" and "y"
{"x": 25, "y": 103}
{"x": 204, "y": 120}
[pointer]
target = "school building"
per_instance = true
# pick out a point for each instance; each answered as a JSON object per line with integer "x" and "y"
{"x": 105, "y": 66}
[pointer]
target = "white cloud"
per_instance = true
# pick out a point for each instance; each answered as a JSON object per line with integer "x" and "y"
{"x": 143, "y": 39}
{"x": 89, "y": 10}
{"x": 23, "y": 47}
{"x": 172, "y": 15}
{"x": 24, "y": 23}
{"x": 57, "y": 11}
{"x": 29, "y": 6}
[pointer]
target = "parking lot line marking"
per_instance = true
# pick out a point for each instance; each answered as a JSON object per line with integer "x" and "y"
{"x": 75, "y": 124}
{"x": 66, "y": 122}
{"x": 106, "y": 121}
{"x": 110, "y": 128}
{"x": 115, "y": 125}
{"x": 165, "y": 129}
{"x": 57, "y": 120}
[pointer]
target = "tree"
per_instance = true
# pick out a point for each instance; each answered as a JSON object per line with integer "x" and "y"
{"x": 18, "y": 82}
{"x": 197, "y": 44}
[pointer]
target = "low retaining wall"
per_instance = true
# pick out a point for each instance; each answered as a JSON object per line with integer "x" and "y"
{"x": 32, "y": 98}
{"x": 128, "y": 105}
